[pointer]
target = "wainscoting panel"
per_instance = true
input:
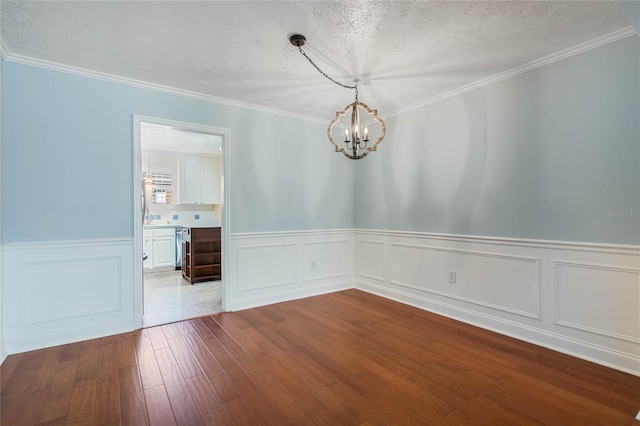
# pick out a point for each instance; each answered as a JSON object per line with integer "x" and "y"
{"x": 328, "y": 259}
{"x": 496, "y": 280}
{"x": 581, "y": 299}
{"x": 603, "y": 299}
{"x": 370, "y": 258}
{"x": 274, "y": 267}
{"x": 61, "y": 292}
{"x": 266, "y": 265}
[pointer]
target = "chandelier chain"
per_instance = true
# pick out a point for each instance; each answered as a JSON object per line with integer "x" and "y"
{"x": 354, "y": 87}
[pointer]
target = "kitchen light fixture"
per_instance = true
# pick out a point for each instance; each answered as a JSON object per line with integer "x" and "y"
{"x": 356, "y": 122}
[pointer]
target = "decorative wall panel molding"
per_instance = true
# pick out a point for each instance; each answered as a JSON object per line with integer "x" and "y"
{"x": 274, "y": 267}
{"x": 602, "y": 299}
{"x": 585, "y": 305}
{"x": 370, "y": 258}
{"x": 328, "y": 259}
{"x": 266, "y": 265}
{"x": 495, "y": 280}
{"x": 61, "y": 292}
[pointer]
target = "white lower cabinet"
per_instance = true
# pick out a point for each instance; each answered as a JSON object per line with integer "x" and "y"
{"x": 160, "y": 245}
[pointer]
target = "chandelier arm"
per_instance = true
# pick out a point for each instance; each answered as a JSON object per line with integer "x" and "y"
{"x": 354, "y": 87}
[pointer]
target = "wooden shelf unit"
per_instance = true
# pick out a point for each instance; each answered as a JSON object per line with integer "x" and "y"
{"x": 201, "y": 254}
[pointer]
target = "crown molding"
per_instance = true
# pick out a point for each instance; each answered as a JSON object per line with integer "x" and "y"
{"x": 70, "y": 69}
{"x": 545, "y": 60}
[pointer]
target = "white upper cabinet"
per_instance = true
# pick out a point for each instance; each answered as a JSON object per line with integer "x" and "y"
{"x": 189, "y": 180}
{"x": 209, "y": 180}
{"x": 199, "y": 180}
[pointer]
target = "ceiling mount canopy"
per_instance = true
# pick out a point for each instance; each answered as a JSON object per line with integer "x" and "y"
{"x": 356, "y": 122}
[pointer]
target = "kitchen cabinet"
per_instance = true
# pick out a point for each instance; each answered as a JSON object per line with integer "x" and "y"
{"x": 199, "y": 180}
{"x": 201, "y": 254}
{"x": 160, "y": 245}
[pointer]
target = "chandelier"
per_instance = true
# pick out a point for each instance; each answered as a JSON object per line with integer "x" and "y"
{"x": 355, "y": 124}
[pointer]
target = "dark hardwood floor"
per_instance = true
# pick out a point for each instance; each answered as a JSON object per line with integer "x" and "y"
{"x": 343, "y": 358}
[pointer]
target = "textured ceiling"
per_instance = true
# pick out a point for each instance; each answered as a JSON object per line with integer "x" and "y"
{"x": 403, "y": 52}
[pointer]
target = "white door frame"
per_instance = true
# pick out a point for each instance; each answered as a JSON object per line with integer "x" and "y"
{"x": 137, "y": 205}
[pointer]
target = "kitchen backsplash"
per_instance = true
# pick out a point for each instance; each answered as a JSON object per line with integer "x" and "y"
{"x": 185, "y": 215}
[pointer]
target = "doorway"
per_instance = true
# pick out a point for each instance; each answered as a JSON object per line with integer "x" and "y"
{"x": 180, "y": 191}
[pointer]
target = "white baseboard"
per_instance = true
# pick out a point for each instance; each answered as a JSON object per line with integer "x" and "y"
{"x": 61, "y": 292}
{"x": 70, "y": 335}
{"x": 579, "y": 299}
{"x": 285, "y": 296}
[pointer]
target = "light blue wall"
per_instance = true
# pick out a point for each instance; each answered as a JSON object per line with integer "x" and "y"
{"x": 543, "y": 155}
{"x": 67, "y": 161}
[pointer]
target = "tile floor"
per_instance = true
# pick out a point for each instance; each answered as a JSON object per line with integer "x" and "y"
{"x": 169, "y": 298}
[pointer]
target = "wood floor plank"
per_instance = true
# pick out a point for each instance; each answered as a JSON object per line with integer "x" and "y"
{"x": 241, "y": 415}
{"x": 186, "y": 362}
{"x": 88, "y": 362}
{"x": 147, "y": 363}
{"x": 259, "y": 400}
{"x": 107, "y": 408}
{"x": 348, "y": 358}
{"x": 132, "y": 404}
{"x": 126, "y": 350}
{"x": 211, "y": 410}
{"x": 182, "y": 404}
{"x": 8, "y": 367}
{"x": 215, "y": 374}
{"x": 43, "y": 376}
{"x": 158, "y": 407}
{"x": 83, "y": 401}
{"x": 59, "y": 395}
{"x": 316, "y": 387}
{"x": 70, "y": 352}
{"x": 15, "y": 388}
{"x": 156, "y": 337}
{"x": 30, "y": 408}
{"x": 278, "y": 395}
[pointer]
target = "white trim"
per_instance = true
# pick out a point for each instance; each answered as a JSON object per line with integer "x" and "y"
{"x": 225, "y": 134}
{"x": 538, "y": 63}
{"x": 272, "y": 234}
{"x": 530, "y": 259}
{"x": 273, "y": 283}
{"x": 102, "y": 310}
{"x": 520, "y": 242}
{"x": 288, "y": 295}
{"x": 588, "y": 265}
{"x": 255, "y": 280}
{"x": 83, "y": 72}
{"x": 65, "y": 336}
{"x": 546, "y": 60}
{"x": 64, "y": 243}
